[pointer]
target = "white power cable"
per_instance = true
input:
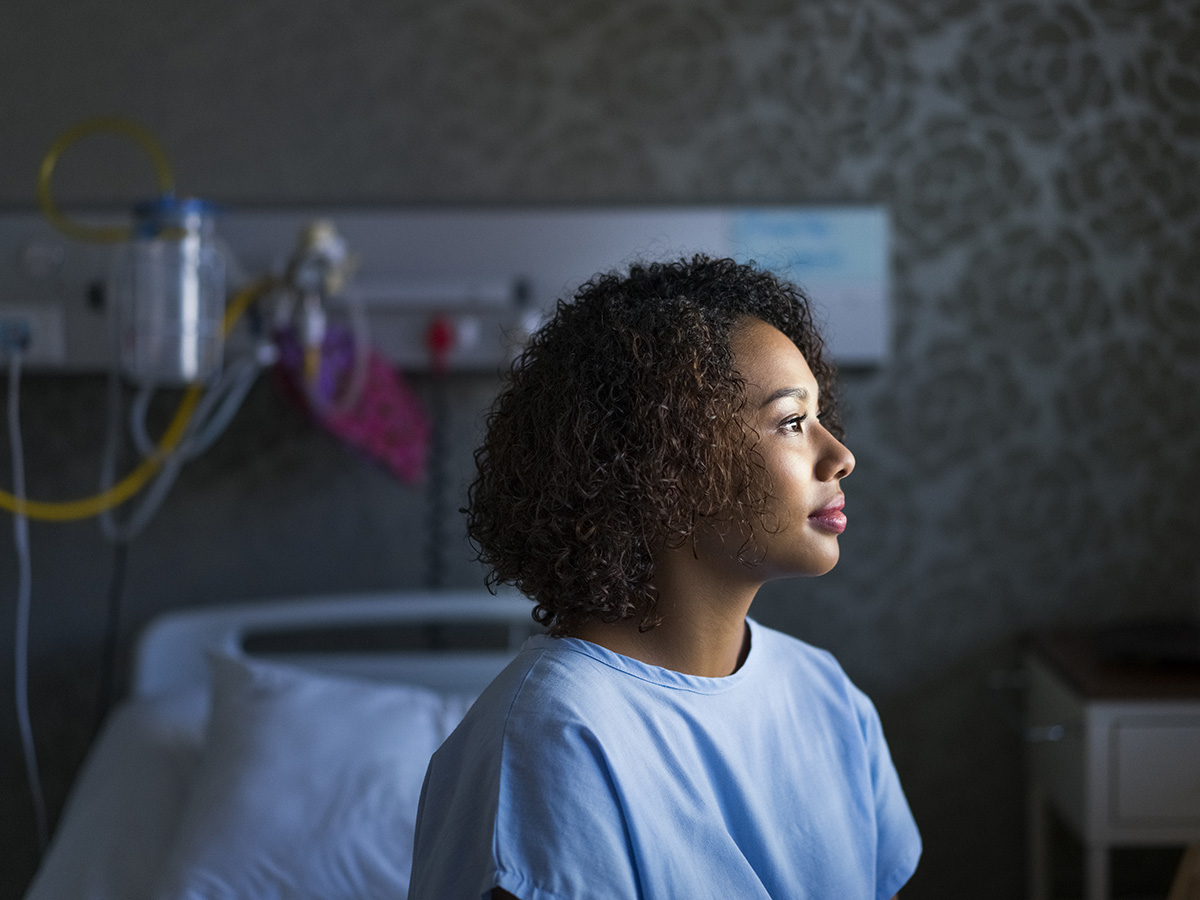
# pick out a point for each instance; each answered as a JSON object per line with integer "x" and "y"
{"x": 24, "y": 597}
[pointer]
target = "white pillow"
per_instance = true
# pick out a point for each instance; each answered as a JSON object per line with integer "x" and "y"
{"x": 308, "y": 786}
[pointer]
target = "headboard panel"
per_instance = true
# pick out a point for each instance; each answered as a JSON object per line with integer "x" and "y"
{"x": 171, "y": 653}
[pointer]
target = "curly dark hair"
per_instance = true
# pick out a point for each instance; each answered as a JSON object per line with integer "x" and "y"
{"x": 618, "y": 429}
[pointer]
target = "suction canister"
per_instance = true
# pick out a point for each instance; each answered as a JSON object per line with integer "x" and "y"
{"x": 169, "y": 286}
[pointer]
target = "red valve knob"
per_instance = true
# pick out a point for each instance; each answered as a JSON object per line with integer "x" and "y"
{"x": 440, "y": 339}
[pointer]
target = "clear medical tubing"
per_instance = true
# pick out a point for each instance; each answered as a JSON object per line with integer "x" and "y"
{"x": 213, "y": 413}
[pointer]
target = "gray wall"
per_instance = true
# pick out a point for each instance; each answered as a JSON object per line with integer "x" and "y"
{"x": 1028, "y": 457}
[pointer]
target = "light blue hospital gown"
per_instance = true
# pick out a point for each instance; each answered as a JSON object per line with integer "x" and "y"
{"x": 580, "y": 773}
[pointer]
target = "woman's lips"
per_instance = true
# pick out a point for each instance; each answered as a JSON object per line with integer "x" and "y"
{"x": 831, "y": 518}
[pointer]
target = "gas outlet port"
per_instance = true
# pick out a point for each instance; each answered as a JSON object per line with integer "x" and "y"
{"x": 37, "y": 331}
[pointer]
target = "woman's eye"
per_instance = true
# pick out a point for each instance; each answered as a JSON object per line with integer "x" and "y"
{"x": 795, "y": 423}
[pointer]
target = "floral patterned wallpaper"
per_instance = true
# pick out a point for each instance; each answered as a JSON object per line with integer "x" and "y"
{"x": 1030, "y": 453}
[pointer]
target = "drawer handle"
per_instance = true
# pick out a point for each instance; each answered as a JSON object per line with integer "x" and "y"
{"x": 1014, "y": 683}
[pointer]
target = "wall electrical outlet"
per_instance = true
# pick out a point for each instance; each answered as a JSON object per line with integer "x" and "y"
{"x": 37, "y": 330}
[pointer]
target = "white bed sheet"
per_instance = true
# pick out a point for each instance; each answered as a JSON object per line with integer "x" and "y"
{"x": 117, "y": 827}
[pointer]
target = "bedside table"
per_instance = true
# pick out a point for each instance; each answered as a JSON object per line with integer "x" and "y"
{"x": 1114, "y": 745}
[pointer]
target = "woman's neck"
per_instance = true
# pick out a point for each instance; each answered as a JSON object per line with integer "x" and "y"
{"x": 703, "y": 628}
{"x": 708, "y": 653}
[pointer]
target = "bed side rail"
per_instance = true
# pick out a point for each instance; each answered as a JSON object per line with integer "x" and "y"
{"x": 171, "y": 652}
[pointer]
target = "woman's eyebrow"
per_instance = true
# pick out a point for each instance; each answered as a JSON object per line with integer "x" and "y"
{"x": 798, "y": 392}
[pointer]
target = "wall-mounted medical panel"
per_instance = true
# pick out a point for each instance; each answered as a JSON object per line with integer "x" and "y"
{"x": 490, "y": 272}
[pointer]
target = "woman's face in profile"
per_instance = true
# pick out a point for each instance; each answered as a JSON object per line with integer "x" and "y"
{"x": 804, "y": 462}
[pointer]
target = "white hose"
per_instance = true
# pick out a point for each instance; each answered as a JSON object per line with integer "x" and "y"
{"x": 24, "y": 599}
{"x": 213, "y": 414}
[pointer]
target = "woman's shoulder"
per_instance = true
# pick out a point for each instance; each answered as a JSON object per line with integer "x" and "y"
{"x": 549, "y": 678}
{"x": 778, "y": 649}
{"x": 815, "y": 679}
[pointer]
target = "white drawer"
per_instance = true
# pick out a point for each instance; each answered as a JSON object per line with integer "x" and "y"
{"x": 1156, "y": 769}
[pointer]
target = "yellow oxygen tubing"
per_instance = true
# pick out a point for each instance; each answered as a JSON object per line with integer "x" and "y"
{"x": 70, "y": 510}
{"x": 104, "y": 234}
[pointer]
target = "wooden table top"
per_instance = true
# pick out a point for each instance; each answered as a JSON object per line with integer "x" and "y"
{"x": 1132, "y": 661}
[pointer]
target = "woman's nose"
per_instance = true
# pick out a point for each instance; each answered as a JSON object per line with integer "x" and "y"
{"x": 836, "y": 462}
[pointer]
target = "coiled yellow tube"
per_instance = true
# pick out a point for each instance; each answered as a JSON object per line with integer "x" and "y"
{"x": 71, "y": 510}
{"x": 105, "y": 234}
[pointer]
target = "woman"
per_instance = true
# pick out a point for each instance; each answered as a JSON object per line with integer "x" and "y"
{"x": 666, "y": 444}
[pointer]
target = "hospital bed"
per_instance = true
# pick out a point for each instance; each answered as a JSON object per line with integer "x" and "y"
{"x": 276, "y": 749}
